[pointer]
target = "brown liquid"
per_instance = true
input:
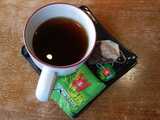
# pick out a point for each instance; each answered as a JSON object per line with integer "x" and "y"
{"x": 60, "y": 42}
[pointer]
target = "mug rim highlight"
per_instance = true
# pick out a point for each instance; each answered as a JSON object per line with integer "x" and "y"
{"x": 32, "y": 52}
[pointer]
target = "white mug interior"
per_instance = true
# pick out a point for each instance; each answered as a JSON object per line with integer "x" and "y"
{"x": 55, "y": 11}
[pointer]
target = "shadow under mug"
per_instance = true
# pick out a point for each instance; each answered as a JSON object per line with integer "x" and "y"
{"x": 49, "y": 72}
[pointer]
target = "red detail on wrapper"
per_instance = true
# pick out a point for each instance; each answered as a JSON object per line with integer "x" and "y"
{"x": 106, "y": 72}
{"x": 80, "y": 83}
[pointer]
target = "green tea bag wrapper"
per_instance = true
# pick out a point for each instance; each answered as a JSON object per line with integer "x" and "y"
{"x": 73, "y": 92}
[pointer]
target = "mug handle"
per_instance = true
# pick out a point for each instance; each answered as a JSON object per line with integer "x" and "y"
{"x": 45, "y": 84}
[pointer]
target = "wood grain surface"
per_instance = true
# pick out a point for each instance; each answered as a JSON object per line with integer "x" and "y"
{"x": 136, "y": 96}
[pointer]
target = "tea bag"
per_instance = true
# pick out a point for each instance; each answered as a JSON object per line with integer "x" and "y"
{"x": 106, "y": 51}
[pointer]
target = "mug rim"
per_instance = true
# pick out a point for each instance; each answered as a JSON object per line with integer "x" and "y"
{"x": 45, "y": 63}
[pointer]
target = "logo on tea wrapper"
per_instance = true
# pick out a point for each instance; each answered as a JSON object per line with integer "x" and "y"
{"x": 80, "y": 83}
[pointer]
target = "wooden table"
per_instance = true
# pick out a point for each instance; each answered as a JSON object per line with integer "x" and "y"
{"x": 136, "y": 96}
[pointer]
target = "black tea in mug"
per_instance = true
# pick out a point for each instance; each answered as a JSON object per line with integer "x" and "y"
{"x": 60, "y": 42}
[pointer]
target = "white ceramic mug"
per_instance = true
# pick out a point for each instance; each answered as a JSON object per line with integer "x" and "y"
{"x": 49, "y": 72}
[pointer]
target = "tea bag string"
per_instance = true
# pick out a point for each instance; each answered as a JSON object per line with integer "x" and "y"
{"x": 124, "y": 59}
